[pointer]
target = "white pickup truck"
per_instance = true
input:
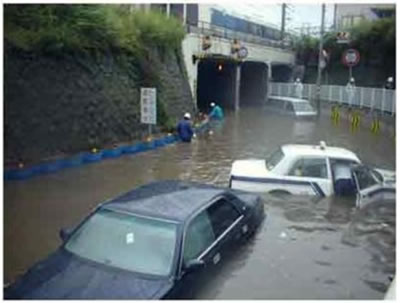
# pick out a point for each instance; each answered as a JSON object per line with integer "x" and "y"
{"x": 309, "y": 170}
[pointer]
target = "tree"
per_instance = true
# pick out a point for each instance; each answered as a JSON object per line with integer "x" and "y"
{"x": 306, "y": 47}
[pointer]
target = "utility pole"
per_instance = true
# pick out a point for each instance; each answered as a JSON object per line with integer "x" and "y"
{"x": 284, "y": 5}
{"x": 335, "y": 25}
{"x": 320, "y": 56}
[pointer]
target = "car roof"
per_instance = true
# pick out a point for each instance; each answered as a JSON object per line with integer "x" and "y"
{"x": 289, "y": 99}
{"x": 317, "y": 150}
{"x": 171, "y": 200}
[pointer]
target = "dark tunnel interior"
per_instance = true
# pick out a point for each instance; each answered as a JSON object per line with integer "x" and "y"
{"x": 281, "y": 73}
{"x": 253, "y": 83}
{"x": 215, "y": 83}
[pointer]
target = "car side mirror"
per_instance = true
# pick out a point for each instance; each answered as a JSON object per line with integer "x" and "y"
{"x": 194, "y": 265}
{"x": 65, "y": 234}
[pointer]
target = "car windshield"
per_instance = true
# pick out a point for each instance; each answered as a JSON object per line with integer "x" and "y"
{"x": 126, "y": 241}
{"x": 302, "y": 107}
{"x": 274, "y": 159}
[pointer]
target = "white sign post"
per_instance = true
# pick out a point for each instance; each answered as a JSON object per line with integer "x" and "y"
{"x": 148, "y": 106}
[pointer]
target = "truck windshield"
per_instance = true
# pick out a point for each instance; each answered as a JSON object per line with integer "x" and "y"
{"x": 274, "y": 159}
{"x": 125, "y": 241}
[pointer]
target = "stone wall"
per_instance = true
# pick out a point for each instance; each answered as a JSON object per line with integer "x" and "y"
{"x": 56, "y": 105}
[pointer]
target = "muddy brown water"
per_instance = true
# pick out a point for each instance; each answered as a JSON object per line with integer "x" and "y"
{"x": 306, "y": 249}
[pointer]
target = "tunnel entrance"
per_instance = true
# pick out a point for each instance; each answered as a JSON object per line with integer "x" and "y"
{"x": 253, "y": 83}
{"x": 216, "y": 83}
{"x": 216, "y": 80}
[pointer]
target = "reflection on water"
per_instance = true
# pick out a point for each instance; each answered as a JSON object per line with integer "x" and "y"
{"x": 307, "y": 248}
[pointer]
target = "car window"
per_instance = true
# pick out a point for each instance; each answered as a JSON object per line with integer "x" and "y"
{"x": 289, "y": 107}
{"x": 309, "y": 167}
{"x": 274, "y": 159}
{"x": 364, "y": 177}
{"x": 333, "y": 161}
{"x": 198, "y": 237}
{"x": 222, "y": 214}
{"x": 128, "y": 242}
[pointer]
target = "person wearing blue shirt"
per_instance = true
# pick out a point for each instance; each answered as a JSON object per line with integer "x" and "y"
{"x": 184, "y": 129}
{"x": 216, "y": 112}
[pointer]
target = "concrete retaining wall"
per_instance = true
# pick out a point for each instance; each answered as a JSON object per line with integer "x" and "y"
{"x": 57, "y": 105}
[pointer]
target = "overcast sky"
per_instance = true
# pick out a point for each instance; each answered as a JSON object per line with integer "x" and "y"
{"x": 299, "y": 14}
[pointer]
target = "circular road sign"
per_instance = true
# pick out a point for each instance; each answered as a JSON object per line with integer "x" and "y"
{"x": 351, "y": 57}
{"x": 242, "y": 53}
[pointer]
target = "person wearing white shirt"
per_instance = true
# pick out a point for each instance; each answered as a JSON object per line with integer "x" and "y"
{"x": 344, "y": 184}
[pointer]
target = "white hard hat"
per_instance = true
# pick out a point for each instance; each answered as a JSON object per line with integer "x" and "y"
{"x": 390, "y": 79}
{"x": 187, "y": 116}
{"x": 212, "y": 104}
{"x": 352, "y": 79}
{"x": 297, "y": 79}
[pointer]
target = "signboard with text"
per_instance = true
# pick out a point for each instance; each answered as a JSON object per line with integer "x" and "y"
{"x": 148, "y": 105}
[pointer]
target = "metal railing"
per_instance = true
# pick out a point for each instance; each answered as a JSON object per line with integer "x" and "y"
{"x": 377, "y": 99}
{"x": 205, "y": 28}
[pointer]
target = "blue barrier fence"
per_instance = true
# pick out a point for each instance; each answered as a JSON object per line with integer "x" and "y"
{"x": 87, "y": 157}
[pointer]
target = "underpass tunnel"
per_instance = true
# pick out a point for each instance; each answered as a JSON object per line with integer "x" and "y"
{"x": 281, "y": 72}
{"x": 253, "y": 83}
{"x": 216, "y": 83}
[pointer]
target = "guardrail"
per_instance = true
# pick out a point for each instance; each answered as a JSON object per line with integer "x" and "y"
{"x": 377, "y": 99}
{"x": 205, "y": 28}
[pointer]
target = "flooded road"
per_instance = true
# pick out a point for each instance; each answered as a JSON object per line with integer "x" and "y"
{"x": 311, "y": 250}
{"x": 305, "y": 249}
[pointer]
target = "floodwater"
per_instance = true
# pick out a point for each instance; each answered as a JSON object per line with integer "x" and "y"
{"x": 306, "y": 249}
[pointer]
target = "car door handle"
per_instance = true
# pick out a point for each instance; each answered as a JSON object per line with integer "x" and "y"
{"x": 216, "y": 258}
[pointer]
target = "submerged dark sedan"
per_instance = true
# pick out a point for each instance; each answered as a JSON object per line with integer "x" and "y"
{"x": 153, "y": 242}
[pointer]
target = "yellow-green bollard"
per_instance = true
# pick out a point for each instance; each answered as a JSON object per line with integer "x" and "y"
{"x": 355, "y": 120}
{"x": 335, "y": 116}
{"x": 375, "y": 127}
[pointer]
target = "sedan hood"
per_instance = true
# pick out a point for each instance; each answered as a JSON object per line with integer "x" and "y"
{"x": 253, "y": 168}
{"x": 65, "y": 276}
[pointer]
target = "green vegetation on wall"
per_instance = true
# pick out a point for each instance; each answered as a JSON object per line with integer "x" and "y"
{"x": 73, "y": 74}
{"x": 89, "y": 27}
